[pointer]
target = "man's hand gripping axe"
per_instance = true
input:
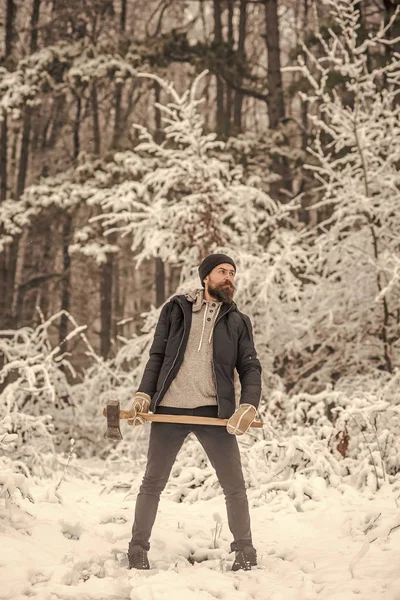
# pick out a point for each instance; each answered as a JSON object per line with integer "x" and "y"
{"x": 114, "y": 415}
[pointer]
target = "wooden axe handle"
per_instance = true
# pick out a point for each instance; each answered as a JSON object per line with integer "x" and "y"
{"x": 189, "y": 419}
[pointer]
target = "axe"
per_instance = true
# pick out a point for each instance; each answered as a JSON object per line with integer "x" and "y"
{"x": 114, "y": 414}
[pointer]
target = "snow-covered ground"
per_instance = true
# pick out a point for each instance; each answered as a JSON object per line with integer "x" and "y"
{"x": 75, "y": 546}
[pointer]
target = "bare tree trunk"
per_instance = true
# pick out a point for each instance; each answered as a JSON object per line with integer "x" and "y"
{"x": 15, "y": 267}
{"x": 220, "y": 115}
{"x": 304, "y": 214}
{"x": 115, "y": 144}
{"x": 26, "y": 128}
{"x": 34, "y": 25}
{"x": 96, "y": 120}
{"x": 122, "y": 21}
{"x": 106, "y": 269}
{"x": 158, "y": 135}
{"x": 160, "y": 281}
{"x": 5, "y": 291}
{"x": 77, "y": 125}
{"x": 119, "y": 88}
{"x": 66, "y": 236}
{"x": 208, "y": 117}
{"x": 3, "y": 159}
{"x": 117, "y": 306}
{"x": 24, "y": 152}
{"x": 108, "y": 288}
{"x": 304, "y": 104}
{"x": 275, "y": 98}
{"x": 106, "y": 307}
{"x": 19, "y": 291}
{"x": 229, "y": 91}
{"x": 275, "y": 102}
{"x": 65, "y": 282}
{"x": 9, "y": 36}
{"x": 47, "y": 262}
{"x": 159, "y": 265}
{"x": 109, "y": 280}
{"x": 10, "y": 18}
{"x": 237, "y": 117}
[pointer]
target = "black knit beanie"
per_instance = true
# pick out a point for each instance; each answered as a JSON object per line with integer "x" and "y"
{"x": 211, "y": 261}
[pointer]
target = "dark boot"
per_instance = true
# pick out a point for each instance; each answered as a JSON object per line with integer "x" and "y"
{"x": 137, "y": 557}
{"x": 245, "y": 559}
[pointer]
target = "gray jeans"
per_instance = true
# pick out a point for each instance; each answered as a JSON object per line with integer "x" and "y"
{"x": 166, "y": 439}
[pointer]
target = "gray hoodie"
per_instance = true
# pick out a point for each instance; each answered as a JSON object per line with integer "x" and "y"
{"x": 194, "y": 384}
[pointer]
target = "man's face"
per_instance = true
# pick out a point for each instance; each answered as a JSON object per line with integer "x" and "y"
{"x": 219, "y": 283}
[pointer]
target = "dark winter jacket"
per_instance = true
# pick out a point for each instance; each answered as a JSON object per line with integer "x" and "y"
{"x": 233, "y": 346}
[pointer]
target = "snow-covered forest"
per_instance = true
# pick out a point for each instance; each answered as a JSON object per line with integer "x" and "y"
{"x": 136, "y": 138}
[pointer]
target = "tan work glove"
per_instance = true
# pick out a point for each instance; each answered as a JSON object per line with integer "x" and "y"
{"x": 140, "y": 404}
{"x": 241, "y": 419}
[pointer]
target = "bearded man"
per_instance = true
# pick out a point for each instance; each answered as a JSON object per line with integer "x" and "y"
{"x": 200, "y": 338}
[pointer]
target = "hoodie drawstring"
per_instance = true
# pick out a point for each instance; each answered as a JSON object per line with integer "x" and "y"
{"x": 204, "y": 326}
{"x": 197, "y": 298}
{"x": 202, "y": 331}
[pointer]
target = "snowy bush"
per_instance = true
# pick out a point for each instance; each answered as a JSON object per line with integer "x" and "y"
{"x": 10, "y": 482}
{"x": 47, "y": 403}
{"x": 13, "y": 486}
{"x": 337, "y": 438}
{"x": 37, "y": 398}
{"x": 350, "y": 433}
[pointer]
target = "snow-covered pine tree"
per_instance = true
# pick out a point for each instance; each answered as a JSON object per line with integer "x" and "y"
{"x": 192, "y": 198}
{"x": 59, "y": 68}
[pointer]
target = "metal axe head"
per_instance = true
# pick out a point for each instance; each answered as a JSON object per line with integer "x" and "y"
{"x": 113, "y": 431}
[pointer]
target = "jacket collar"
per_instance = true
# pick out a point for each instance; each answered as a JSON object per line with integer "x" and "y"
{"x": 196, "y": 296}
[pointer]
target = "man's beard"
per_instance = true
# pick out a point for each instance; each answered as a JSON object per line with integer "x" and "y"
{"x": 222, "y": 292}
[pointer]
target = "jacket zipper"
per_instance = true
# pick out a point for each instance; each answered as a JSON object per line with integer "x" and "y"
{"x": 176, "y": 357}
{"x": 216, "y": 387}
{"x": 215, "y": 377}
